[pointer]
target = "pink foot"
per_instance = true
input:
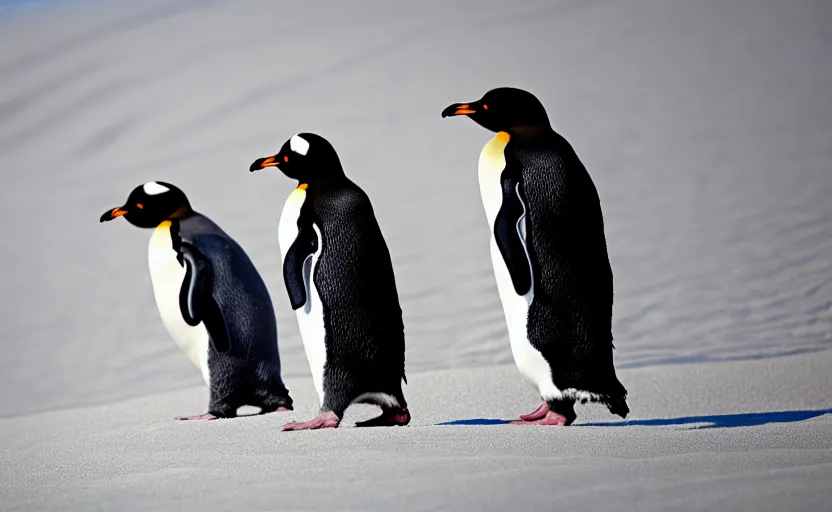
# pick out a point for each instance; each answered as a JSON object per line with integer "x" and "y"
{"x": 544, "y": 416}
{"x": 327, "y": 419}
{"x": 550, "y": 418}
{"x": 388, "y": 418}
{"x": 206, "y": 416}
{"x": 537, "y": 414}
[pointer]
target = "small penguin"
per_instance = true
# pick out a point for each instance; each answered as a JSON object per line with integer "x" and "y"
{"x": 212, "y": 301}
{"x": 549, "y": 255}
{"x": 339, "y": 277}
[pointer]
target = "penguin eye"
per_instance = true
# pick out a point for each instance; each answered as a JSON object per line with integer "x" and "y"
{"x": 485, "y": 107}
{"x": 285, "y": 158}
{"x": 140, "y": 206}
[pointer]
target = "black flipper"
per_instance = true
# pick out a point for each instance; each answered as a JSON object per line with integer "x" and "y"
{"x": 196, "y": 301}
{"x": 509, "y": 237}
{"x": 304, "y": 245}
{"x": 192, "y": 294}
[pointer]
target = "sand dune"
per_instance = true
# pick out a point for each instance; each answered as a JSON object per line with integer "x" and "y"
{"x": 705, "y": 125}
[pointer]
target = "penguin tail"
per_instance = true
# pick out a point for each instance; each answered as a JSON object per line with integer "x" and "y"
{"x": 619, "y": 407}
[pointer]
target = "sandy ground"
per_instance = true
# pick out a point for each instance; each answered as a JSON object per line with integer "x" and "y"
{"x": 705, "y": 125}
{"x": 719, "y": 436}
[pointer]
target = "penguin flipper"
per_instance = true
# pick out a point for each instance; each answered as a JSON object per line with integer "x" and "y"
{"x": 304, "y": 246}
{"x": 511, "y": 239}
{"x": 196, "y": 301}
{"x": 194, "y": 284}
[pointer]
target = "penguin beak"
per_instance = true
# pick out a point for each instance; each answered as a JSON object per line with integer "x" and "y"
{"x": 458, "y": 109}
{"x": 112, "y": 214}
{"x": 262, "y": 163}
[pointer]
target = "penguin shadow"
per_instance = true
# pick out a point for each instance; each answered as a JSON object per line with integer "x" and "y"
{"x": 753, "y": 419}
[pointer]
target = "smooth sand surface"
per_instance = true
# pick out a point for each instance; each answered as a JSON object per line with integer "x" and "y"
{"x": 706, "y": 127}
{"x": 719, "y": 436}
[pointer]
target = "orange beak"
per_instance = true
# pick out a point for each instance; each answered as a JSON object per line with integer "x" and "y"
{"x": 458, "y": 109}
{"x": 112, "y": 214}
{"x": 262, "y": 163}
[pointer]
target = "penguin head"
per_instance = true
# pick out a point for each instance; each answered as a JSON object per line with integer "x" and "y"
{"x": 151, "y": 204}
{"x": 306, "y": 157}
{"x": 503, "y": 109}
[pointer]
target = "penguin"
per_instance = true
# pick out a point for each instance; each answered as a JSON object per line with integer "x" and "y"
{"x": 549, "y": 255}
{"x": 212, "y": 301}
{"x": 339, "y": 277}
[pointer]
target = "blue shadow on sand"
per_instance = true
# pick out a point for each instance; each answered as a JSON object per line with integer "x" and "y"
{"x": 717, "y": 421}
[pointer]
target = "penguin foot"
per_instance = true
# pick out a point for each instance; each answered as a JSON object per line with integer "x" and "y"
{"x": 206, "y": 416}
{"x": 327, "y": 419}
{"x": 536, "y": 415}
{"x": 389, "y": 418}
{"x": 544, "y": 415}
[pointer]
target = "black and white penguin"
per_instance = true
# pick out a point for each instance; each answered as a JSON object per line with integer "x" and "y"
{"x": 339, "y": 277}
{"x": 212, "y": 300}
{"x": 549, "y": 255}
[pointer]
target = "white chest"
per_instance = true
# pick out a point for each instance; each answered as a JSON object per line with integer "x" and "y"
{"x": 167, "y": 275}
{"x": 529, "y": 360}
{"x": 311, "y": 315}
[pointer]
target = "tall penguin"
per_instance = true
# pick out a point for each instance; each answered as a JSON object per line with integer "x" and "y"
{"x": 212, "y": 301}
{"x": 339, "y": 277}
{"x": 549, "y": 255}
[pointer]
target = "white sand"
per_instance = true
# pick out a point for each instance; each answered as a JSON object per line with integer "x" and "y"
{"x": 706, "y": 127}
{"x": 132, "y": 455}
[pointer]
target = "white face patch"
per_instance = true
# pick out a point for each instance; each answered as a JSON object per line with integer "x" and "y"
{"x": 154, "y": 189}
{"x": 299, "y": 145}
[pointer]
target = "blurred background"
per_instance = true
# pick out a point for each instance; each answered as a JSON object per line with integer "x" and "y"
{"x": 706, "y": 126}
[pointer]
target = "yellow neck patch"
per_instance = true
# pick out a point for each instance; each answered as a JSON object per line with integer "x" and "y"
{"x": 164, "y": 225}
{"x": 502, "y": 136}
{"x": 303, "y": 186}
